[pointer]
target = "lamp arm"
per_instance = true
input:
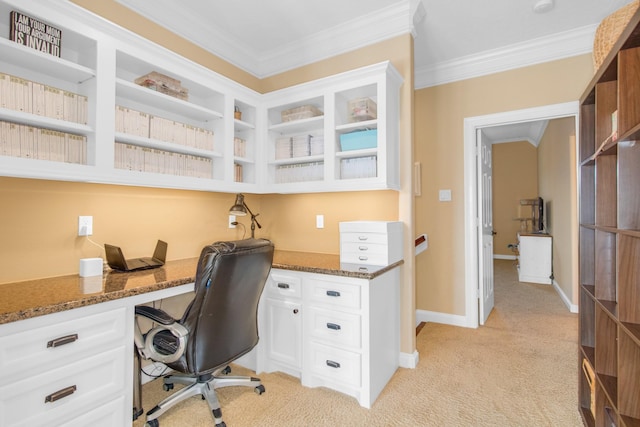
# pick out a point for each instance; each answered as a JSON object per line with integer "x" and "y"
{"x": 253, "y": 217}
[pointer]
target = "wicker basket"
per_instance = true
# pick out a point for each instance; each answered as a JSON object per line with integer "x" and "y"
{"x": 609, "y": 30}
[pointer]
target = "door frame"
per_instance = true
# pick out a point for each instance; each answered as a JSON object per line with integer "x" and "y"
{"x": 472, "y": 252}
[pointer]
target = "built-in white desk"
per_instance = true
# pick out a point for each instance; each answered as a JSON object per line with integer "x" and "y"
{"x": 66, "y": 343}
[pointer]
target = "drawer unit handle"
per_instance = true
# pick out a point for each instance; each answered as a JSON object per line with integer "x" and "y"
{"x": 363, "y": 268}
{"x": 363, "y": 258}
{"x": 332, "y": 364}
{"x": 363, "y": 248}
{"x": 60, "y": 394}
{"x": 333, "y": 326}
{"x": 283, "y": 285}
{"x": 62, "y": 340}
{"x": 363, "y": 238}
{"x": 333, "y": 293}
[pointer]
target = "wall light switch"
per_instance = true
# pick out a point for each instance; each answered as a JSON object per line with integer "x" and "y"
{"x": 319, "y": 221}
{"x": 444, "y": 195}
{"x": 85, "y": 225}
{"x": 232, "y": 219}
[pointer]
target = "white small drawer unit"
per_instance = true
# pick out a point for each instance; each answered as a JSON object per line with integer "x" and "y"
{"x": 371, "y": 242}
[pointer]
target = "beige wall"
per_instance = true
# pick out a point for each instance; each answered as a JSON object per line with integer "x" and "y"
{"x": 515, "y": 177}
{"x": 439, "y": 116}
{"x": 557, "y": 184}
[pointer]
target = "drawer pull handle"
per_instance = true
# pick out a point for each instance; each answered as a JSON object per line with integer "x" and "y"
{"x": 295, "y": 311}
{"x": 62, "y": 340}
{"x": 363, "y": 258}
{"x": 333, "y": 326}
{"x": 363, "y": 238}
{"x": 363, "y": 248}
{"x": 363, "y": 268}
{"x": 60, "y": 394}
{"x": 283, "y": 285}
{"x": 332, "y": 364}
{"x": 333, "y": 293}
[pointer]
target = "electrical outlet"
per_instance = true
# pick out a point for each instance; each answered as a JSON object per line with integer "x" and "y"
{"x": 85, "y": 225}
{"x": 232, "y": 219}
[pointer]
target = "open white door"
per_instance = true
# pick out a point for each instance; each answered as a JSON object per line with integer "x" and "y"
{"x": 485, "y": 219}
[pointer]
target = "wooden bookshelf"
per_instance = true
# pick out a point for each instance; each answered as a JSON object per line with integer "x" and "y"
{"x": 609, "y": 203}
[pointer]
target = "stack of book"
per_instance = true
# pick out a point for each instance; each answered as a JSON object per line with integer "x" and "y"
{"x": 145, "y": 125}
{"x": 359, "y": 167}
{"x": 35, "y": 143}
{"x": 32, "y": 97}
{"x": 142, "y": 159}
{"x": 238, "y": 172}
{"x": 303, "y": 145}
{"x": 239, "y": 147}
{"x": 300, "y": 172}
{"x": 283, "y": 147}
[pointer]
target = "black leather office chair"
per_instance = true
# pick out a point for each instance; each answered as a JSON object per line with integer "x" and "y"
{"x": 218, "y": 326}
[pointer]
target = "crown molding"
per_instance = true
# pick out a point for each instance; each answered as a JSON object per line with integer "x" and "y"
{"x": 369, "y": 29}
{"x": 399, "y": 18}
{"x": 536, "y": 51}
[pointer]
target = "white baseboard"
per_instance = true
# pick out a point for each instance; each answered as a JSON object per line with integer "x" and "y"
{"x": 573, "y": 308}
{"x": 409, "y": 360}
{"x": 444, "y": 318}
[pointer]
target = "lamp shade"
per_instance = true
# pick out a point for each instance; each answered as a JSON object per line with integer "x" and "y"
{"x": 238, "y": 207}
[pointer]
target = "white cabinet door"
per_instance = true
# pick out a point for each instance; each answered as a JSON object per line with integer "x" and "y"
{"x": 284, "y": 334}
{"x": 535, "y": 262}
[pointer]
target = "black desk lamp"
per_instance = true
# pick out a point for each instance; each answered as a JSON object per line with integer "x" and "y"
{"x": 240, "y": 208}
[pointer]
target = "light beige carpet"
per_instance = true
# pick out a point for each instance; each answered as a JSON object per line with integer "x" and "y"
{"x": 520, "y": 369}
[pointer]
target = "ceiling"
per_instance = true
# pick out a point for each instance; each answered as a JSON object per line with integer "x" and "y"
{"x": 453, "y": 39}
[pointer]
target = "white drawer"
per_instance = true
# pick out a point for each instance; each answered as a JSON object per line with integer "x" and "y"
{"x": 283, "y": 286}
{"x": 363, "y": 237}
{"x": 110, "y": 414}
{"x": 23, "y": 403}
{"x": 364, "y": 258}
{"x": 336, "y": 365}
{"x": 364, "y": 248}
{"x": 334, "y": 294}
{"x": 336, "y": 328}
{"x": 59, "y": 342}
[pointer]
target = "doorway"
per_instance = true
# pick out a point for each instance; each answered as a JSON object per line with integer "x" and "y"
{"x": 474, "y": 256}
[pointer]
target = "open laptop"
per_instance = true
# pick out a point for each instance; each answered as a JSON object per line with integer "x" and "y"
{"x": 116, "y": 259}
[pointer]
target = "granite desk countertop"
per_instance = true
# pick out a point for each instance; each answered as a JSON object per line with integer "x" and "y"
{"x": 31, "y": 298}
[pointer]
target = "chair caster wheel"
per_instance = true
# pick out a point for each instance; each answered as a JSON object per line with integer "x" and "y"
{"x": 226, "y": 370}
{"x": 222, "y": 424}
{"x": 259, "y": 389}
{"x": 167, "y": 387}
{"x": 152, "y": 423}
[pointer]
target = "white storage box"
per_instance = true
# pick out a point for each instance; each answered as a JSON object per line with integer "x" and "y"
{"x": 371, "y": 242}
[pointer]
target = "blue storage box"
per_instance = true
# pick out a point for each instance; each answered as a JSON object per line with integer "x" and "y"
{"x": 359, "y": 140}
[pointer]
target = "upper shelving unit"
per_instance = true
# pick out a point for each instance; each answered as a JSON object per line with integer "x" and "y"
{"x": 153, "y": 118}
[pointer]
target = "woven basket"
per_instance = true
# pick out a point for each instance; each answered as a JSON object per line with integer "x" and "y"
{"x": 609, "y": 30}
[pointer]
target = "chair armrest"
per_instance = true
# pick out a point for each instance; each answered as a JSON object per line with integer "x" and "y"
{"x": 155, "y": 314}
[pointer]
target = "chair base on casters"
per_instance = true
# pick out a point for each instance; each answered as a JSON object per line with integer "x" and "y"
{"x": 204, "y": 385}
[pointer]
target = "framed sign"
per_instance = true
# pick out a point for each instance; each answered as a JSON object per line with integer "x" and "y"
{"x": 35, "y": 34}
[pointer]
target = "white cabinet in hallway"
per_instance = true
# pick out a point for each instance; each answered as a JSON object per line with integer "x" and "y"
{"x": 535, "y": 259}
